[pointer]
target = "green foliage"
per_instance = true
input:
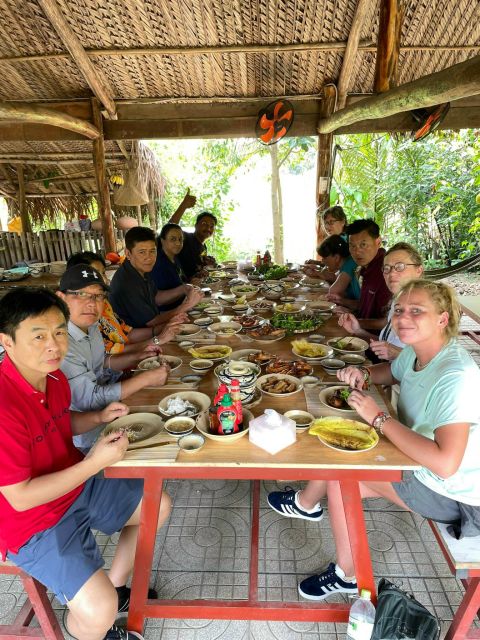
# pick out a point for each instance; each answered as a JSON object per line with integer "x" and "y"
{"x": 421, "y": 192}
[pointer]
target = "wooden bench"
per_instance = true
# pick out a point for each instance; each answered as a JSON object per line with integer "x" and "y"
{"x": 37, "y": 605}
{"x": 463, "y": 558}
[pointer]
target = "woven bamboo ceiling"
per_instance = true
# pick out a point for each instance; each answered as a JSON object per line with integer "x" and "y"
{"x": 198, "y": 67}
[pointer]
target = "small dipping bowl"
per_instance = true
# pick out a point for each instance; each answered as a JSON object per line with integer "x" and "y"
{"x": 240, "y": 308}
{"x": 179, "y": 426}
{"x": 332, "y": 365}
{"x": 214, "y": 310}
{"x": 309, "y": 381}
{"x": 285, "y": 299}
{"x": 186, "y": 344}
{"x": 302, "y": 419}
{"x": 354, "y": 359}
{"x": 191, "y": 378}
{"x": 316, "y": 337}
{"x": 191, "y": 443}
{"x": 199, "y": 364}
{"x": 203, "y": 322}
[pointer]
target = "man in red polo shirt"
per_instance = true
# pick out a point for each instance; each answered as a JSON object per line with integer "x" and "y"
{"x": 50, "y": 495}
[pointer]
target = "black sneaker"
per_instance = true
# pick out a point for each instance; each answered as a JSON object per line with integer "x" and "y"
{"x": 325, "y": 584}
{"x": 124, "y": 598}
{"x": 117, "y": 633}
{"x": 285, "y": 503}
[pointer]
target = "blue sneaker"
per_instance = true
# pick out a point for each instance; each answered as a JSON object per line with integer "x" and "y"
{"x": 285, "y": 503}
{"x": 324, "y": 584}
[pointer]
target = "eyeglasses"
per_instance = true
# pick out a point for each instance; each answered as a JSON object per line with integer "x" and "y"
{"x": 398, "y": 266}
{"x": 91, "y": 297}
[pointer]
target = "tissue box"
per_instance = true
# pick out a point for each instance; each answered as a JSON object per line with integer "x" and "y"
{"x": 272, "y": 431}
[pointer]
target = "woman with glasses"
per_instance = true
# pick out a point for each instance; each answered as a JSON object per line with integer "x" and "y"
{"x": 438, "y": 426}
{"x": 401, "y": 263}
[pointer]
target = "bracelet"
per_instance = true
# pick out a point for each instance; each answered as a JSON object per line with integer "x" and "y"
{"x": 379, "y": 420}
{"x": 367, "y": 377}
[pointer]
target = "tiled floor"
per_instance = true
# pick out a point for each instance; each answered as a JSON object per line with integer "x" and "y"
{"x": 204, "y": 553}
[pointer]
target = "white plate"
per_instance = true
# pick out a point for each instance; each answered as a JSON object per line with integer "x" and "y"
{"x": 225, "y": 329}
{"x": 327, "y": 392}
{"x": 354, "y": 345}
{"x": 327, "y": 354}
{"x": 200, "y": 400}
{"x": 289, "y": 308}
{"x": 278, "y": 376}
{"x": 242, "y": 354}
{"x": 267, "y": 339}
{"x": 187, "y": 330}
{"x": 203, "y": 352}
{"x": 172, "y": 361}
{"x": 203, "y": 321}
{"x": 151, "y": 425}
{"x": 342, "y": 449}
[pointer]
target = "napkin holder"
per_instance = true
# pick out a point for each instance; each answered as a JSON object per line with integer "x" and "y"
{"x": 272, "y": 431}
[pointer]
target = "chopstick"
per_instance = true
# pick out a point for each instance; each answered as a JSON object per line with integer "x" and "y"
{"x": 151, "y": 446}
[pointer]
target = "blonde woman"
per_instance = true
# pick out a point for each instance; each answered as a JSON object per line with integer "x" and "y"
{"x": 438, "y": 426}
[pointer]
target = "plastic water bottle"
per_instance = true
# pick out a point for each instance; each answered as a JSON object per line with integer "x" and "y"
{"x": 362, "y": 617}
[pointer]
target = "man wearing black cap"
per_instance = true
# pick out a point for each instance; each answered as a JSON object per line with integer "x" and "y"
{"x": 92, "y": 378}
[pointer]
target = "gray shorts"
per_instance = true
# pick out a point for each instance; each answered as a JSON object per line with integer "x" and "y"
{"x": 427, "y": 503}
{"x": 65, "y": 556}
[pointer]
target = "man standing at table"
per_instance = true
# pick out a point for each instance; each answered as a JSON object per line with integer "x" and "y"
{"x": 93, "y": 377}
{"x": 132, "y": 290}
{"x": 51, "y": 497}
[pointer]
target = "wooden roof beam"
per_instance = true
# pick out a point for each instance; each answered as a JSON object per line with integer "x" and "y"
{"x": 21, "y": 112}
{"x": 96, "y": 82}
{"x": 388, "y": 46}
{"x": 348, "y": 65}
{"x": 460, "y": 81}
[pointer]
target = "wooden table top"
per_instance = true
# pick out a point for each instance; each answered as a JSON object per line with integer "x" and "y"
{"x": 44, "y": 280}
{"x": 307, "y": 452}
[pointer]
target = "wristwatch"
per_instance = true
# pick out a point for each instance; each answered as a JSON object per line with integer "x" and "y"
{"x": 379, "y": 421}
{"x": 156, "y": 340}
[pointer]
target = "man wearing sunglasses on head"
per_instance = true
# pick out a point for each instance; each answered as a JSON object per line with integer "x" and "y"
{"x": 93, "y": 378}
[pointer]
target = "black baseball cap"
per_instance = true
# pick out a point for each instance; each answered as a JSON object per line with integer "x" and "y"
{"x": 79, "y": 277}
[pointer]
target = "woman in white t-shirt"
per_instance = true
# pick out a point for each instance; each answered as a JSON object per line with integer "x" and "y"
{"x": 438, "y": 426}
{"x": 401, "y": 263}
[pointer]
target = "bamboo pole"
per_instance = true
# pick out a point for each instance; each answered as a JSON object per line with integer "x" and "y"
{"x": 460, "y": 81}
{"x": 22, "y": 202}
{"x": 103, "y": 195}
{"x": 324, "y": 161}
{"x": 388, "y": 47}
{"x": 364, "y": 47}
{"x": 92, "y": 74}
{"x": 21, "y": 112}
{"x": 348, "y": 65}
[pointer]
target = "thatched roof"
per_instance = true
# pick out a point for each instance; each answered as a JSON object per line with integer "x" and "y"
{"x": 163, "y": 68}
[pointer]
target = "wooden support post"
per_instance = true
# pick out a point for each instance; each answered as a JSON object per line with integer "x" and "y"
{"x": 103, "y": 192}
{"x": 139, "y": 215}
{"x": 460, "y": 81}
{"x": 361, "y": 12}
{"x": 22, "y": 201}
{"x": 388, "y": 46}
{"x": 152, "y": 214}
{"x": 324, "y": 161}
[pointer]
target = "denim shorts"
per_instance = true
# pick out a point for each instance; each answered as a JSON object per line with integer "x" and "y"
{"x": 66, "y": 555}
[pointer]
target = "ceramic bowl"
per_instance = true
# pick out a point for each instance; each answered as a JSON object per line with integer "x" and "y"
{"x": 332, "y": 365}
{"x": 179, "y": 426}
{"x": 355, "y": 359}
{"x": 302, "y": 419}
{"x": 200, "y": 400}
{"x": 204, "y": 428}
{"x": 349, "y": 344}
{"x": 191, "y": 443}
{"x": 201, "y": 364}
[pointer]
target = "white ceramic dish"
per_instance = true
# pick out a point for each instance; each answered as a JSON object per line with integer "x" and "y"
{"x": 326, "y": 393}
{"x": 320, "y": 305}
{"x": 244, "y": 291}
{"x": 203, "y": 321}
{"x": 205, "y": 352}
{"x": 214, "y": 310}
{"x": 201, "y": 364}
{"x": 188, "y": 330}
{"x": 302, "y": 419}
{"x": 151, "y": 424}
{"x": 179, "y": 426}
{"x": 279, "y": 376}
{"x": 203, "y": 426}
{"x": 326, "y": 353}
{"x": 225, "y": 329}
{"x": 200, "y": 400}
{"x": 332, "y": 365}
{"x": 156, "y": 361}
{"x": 191, "y": 443}
{"x": 352, "y": 423}
{"x": 355, "y": 359}
{"x": 352, "y": 344}
{"x": 289, "y": 308}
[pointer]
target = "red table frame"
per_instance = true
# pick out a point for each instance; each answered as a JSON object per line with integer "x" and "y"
{"x": 251, "y": 608}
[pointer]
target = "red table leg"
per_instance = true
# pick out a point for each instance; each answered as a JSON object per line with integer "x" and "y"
{"x": 357, "y": 534}
{"x": 466, "y": 612}
{"x": 152, "y": 493}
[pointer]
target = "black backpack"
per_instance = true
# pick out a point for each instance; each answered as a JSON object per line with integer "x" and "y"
{"x": 400, "y": 617}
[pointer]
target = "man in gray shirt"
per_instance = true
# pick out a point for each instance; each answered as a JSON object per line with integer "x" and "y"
{"x": 92, "y": 377}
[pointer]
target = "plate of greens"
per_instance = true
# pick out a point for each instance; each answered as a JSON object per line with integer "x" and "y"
{"x": 301, "y": 323}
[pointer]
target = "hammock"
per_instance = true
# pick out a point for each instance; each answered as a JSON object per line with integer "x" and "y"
{"x": 463, "y": 265}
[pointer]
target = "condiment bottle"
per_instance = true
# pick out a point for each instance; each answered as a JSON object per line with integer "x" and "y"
{"x": 267, "y": 258}
{"x": 212, "y": 412}
{"x": 237, "y": 403}
{"x": 258, "y": 260}
{"x": 227, "y": 416}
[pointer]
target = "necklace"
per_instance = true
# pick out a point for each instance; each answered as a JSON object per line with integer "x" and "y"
{"x": 418, "y": 366}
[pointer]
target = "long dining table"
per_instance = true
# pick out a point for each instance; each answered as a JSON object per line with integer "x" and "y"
{"x": 307, "y": 459}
